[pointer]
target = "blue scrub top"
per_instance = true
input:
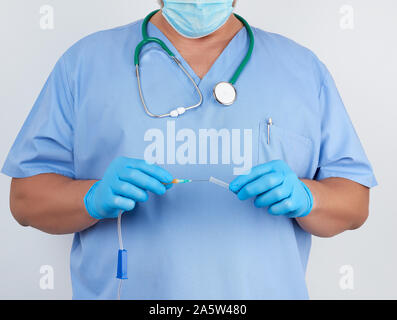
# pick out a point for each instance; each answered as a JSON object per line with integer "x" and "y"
{"x": 198, "y": 241}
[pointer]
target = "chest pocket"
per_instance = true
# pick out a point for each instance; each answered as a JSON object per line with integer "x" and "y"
{"x": 277, "y": 143}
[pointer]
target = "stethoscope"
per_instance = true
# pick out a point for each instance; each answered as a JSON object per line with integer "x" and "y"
{"x": 224, "y": 92}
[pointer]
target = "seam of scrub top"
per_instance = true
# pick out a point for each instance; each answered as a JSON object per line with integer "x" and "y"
{"x": 159, "y": 34}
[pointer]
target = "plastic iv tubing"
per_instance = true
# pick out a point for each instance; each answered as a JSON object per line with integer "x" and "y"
{"x": 121, "y": 247}
{"x": 122, "y": 263}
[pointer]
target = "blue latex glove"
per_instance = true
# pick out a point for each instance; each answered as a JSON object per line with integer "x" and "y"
{"x": 125, "y": 182}
{"x": 275, "y": 186}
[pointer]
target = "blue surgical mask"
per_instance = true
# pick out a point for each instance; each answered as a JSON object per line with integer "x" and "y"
{"x": 197, "y": 18}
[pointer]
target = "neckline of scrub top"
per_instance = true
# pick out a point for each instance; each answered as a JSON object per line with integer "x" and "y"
{"x": 231, "y": 54}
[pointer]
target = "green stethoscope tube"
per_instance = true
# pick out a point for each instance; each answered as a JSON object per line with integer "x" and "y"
{"x": 146, "y": 22}
{"x": 179, "y": 111}
{"x": 144, "y": 42}
{"x": 248, "y": 56}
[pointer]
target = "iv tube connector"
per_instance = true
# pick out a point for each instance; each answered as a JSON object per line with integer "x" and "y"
{"x": 219, "y": 183}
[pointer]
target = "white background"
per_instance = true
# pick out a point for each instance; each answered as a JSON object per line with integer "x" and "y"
{"x": 363, "y": 62}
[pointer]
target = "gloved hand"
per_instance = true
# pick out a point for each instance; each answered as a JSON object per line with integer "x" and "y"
{"x": 125, "y": 182}
{"x": 275, "y": 186}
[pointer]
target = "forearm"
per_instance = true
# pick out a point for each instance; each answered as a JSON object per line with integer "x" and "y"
{"x": 339, "y": 205}
{"x": 51, "y": 203}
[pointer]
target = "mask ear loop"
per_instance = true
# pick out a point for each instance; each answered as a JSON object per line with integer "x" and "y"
{"x": 174, "y": 113}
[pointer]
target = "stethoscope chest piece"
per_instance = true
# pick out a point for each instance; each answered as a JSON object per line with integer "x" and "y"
{"x": 225, "y": 93}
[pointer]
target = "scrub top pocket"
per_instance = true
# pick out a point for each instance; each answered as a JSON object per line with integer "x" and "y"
{"x": 278, "y": 143}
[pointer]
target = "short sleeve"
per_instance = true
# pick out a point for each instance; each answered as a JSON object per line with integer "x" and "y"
{"x": 45, "y": 142}
{"x": 341, "y": 152}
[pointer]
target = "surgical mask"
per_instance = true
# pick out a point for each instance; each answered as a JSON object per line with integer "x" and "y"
{"x": 197, "y": 18}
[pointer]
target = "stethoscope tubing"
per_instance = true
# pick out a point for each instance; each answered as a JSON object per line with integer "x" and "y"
{"x": 179, "y": 111}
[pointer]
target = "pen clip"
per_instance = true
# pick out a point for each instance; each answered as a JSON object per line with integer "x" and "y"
{"x": 269, "y": 124}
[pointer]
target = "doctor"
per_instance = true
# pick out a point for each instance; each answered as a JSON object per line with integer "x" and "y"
{"x": 80, "y": 159}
